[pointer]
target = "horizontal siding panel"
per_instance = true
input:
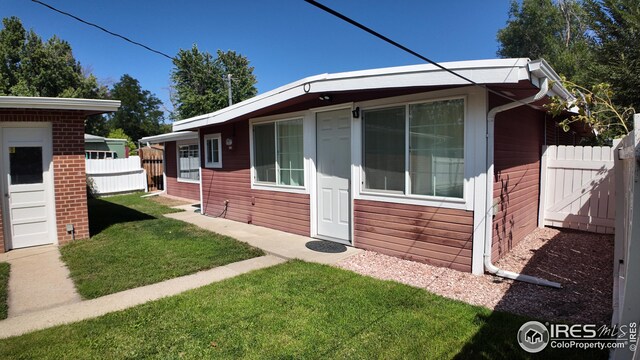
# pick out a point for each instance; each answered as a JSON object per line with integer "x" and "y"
{"x": 443, "y": 225}
{"x": 432, "y": 235}
{"x": 393, "y": 224}
{"x": 464, "y": 252}
{"x": 415, "y": 214}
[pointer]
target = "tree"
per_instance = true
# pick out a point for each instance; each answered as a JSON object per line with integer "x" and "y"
{"x": 139, "y": 114}
{"x": 616, "y": 34}
{"x": 595, "y": 108}
{"x": 120, "y": 134}
{"x": 199, "y": 81}
{"x": 554, "y": 31}
{"x": 33, "y": 67}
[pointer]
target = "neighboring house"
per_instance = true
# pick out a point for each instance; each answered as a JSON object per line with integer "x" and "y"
{"x": 98, "y": 147}
{"x": 409, "y": 161}
{"x": 181, "y": 161}
{"x": 43, "y": 169}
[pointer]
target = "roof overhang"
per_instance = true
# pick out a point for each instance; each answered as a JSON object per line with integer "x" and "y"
{"x": 496, "y": 71}
{"x": 90, "y": 106}
{"x": 172, "y": 136}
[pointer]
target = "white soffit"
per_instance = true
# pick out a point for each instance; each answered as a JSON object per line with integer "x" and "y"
{"x": 173, "y": 136}
{"x": 25, "y": 102}
{"x": 495, "y": 71}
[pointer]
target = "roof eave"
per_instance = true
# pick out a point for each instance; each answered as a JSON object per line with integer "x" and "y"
{"x": 93, "y": 106}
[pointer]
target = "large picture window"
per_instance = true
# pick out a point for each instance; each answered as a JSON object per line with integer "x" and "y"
{"x": 434, "y": 153}
{"x": 188, "y": 162}
{"x": 278, "y": 153}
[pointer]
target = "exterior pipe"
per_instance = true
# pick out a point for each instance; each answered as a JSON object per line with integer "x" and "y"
{"x": 488, "y": 265}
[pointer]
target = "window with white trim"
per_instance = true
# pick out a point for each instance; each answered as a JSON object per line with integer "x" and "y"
{"x": 188, "y": 162}
{"x": 278, "y": 157}
{"x": 213, "y": 150}
{"x": 416, "y": 149}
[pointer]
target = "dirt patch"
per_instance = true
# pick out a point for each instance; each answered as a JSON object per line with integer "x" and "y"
{"x": 582, "y": 262}
{"x": 170, "y": 201}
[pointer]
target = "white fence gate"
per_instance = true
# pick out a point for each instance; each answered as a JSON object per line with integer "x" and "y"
{"x": 112, "y": 176}
{"x": 577, "y": 188}
{"x": 626, "y": 266}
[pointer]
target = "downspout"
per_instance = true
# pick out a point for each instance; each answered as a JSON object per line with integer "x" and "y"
{"x": 488, "y": 265}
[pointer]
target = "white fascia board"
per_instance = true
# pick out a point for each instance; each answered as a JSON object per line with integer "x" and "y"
{"x": 173, "y": 136}
{"x": 25, "y": 102}
{"x": 480, "y": 71}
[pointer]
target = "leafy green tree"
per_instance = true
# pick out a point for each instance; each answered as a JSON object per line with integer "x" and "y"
{"x": 33, "y": 67}
{"x": 120, "y": 134}
{"x": 199, "y": 81}
{"x": 139, "y": 114}
{"x": 555, "y": 31}
{"x": 616, "y": 34}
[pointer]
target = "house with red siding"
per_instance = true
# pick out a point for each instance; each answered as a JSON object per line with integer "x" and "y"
{"x": 42, "y": 169}
{"x": 181, "y": 161}
{"x": 409, "y": 161}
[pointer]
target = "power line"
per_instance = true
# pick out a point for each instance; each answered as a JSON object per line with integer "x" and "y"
{"x": 406, "y": 49}
{"x": 105, "y": 30}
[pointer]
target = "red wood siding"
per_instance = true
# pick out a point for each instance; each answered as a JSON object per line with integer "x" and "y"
{"x": 277, "y": 210}
{"x": 68, "y": 168}
{"x": 181, "y": 189}
{"x": 518, "y": 145}
{"x": 437, "y": 236}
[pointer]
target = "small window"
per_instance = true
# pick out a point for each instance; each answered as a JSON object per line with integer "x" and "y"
{"x": 25, "y": 165}
{"x": 188, "y": 162}
{"x": 278, "y": 153}
{"x": 213, "y": 150}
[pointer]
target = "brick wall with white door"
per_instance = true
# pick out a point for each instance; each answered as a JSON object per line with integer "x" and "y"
{"x": 67, "y": 129}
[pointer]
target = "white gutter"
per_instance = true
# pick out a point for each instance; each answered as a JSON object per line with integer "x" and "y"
{"x": 491, "y": 117}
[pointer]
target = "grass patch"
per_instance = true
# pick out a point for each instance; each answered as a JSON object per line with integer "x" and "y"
{"x": 294, "y": 310}
{"x": 133, "y": 244}
{"x": 4, "y": 287}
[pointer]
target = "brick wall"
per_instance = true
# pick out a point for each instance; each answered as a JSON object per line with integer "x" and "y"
{"x": 68, "y": 167}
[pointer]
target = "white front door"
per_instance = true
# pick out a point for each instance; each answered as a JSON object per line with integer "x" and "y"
{"x": 334, "y": 174}
{"x": 26, "y": 166}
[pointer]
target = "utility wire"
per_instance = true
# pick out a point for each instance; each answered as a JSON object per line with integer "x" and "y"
{"x": 103, "y": 29}
{"x": 406, "y": 49}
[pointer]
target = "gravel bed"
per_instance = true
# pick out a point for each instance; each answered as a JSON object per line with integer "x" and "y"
{"x": 582, "y": 262}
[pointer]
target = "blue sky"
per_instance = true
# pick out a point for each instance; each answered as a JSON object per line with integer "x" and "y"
{"x": 284, "y": 40}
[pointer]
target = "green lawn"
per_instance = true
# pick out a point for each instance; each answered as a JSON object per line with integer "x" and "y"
{"x": 4, "y": 285}
{"x": 133, "y": 244}
{"x": 295, "y": 310}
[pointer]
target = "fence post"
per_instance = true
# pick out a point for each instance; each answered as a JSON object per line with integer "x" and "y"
{"x": 543, "y": 186}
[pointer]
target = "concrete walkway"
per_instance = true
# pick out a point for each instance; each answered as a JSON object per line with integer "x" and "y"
{"x": 279, "y": 243}
{"x": 39, "y": 280}
{"x": 37, "y": 320}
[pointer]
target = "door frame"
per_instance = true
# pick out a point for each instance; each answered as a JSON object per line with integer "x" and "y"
{"x": 48, "y": 176}
{"x": 313, "y": 189}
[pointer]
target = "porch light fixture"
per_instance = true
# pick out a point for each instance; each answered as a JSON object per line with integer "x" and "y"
{"x": 325, "y": 97}
{"x": 356, "y": 112}
{"x": 229, "y": 143}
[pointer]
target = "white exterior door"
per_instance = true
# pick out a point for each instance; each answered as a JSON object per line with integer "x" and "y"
{"x": 334, "y": 174}
{"x": 27, "y": 186}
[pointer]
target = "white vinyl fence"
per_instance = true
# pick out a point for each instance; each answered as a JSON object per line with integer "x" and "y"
{"x": 626, "y": 266}
{"x": 112, "y": 176}
{"x": 577, "y": 188}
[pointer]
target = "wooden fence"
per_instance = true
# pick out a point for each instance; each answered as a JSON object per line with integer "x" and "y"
{"x": 577, "y": 188}
{"x": 626, "y": 262}
{"x": 151, "y": 160}
{"x": 111, "y": 176}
